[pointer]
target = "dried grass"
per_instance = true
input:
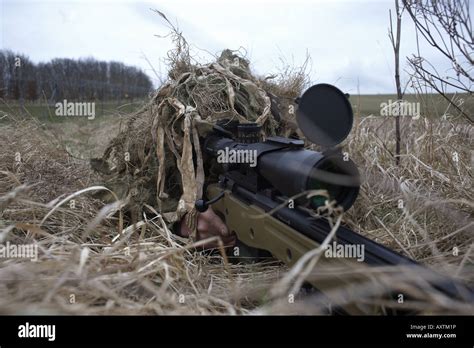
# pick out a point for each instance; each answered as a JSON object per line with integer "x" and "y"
{"x": 143, "y": 268}
{"x": 93, "y": 261}
{"x": 424, "y": 207}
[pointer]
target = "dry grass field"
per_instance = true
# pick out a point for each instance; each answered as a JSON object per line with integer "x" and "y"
{"x": 88, "y": 264}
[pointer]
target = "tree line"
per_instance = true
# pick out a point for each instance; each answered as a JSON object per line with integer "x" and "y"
{"x": 71, "y": 79}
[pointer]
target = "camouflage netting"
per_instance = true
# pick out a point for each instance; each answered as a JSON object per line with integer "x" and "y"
{"x": 168, "y": 128}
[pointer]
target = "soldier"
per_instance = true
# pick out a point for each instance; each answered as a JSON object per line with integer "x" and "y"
{"x": 156, "y": 162}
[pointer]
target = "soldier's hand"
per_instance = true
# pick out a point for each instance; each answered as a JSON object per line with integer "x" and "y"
{"x": 209, "y": 225}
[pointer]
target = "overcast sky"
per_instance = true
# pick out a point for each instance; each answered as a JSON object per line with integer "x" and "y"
{"x": 347, "y": 40}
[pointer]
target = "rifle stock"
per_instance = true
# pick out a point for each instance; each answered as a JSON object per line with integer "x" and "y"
{"x": 260, "y": 231}
{"x": 246, "y": 215}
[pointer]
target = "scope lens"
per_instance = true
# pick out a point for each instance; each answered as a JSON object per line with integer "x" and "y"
{"x": 333, "y": 191}
{"x": 343, "y": 195}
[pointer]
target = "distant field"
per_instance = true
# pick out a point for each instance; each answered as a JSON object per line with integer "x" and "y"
{"x": 431, "y": 105}
{"x": 46, "y": 113}
{"x": 82, "y": 137}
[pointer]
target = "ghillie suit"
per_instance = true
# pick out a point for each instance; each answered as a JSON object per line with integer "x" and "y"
{"x": 157, "y": 160}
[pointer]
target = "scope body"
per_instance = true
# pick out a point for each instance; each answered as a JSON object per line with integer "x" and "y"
{"x": 325, "y": 117}
{"x": 285, "y": 165}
